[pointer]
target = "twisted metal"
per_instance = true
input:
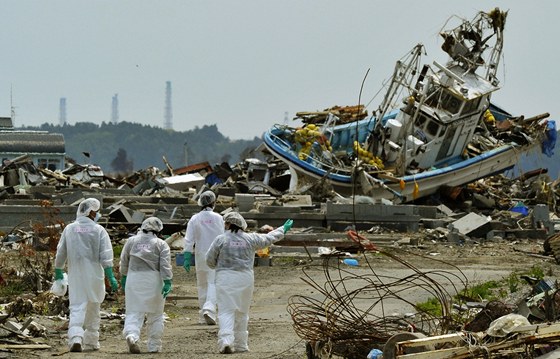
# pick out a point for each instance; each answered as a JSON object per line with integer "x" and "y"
{"x": 346, "y": 314}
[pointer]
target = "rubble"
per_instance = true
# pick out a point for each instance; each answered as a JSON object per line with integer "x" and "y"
{"x": 36, "y": 203}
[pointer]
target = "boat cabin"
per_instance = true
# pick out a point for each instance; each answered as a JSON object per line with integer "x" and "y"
{"x": 445, "y": 114}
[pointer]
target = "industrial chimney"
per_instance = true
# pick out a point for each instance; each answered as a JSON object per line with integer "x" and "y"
{"x": 115, "y": 109}
{"x": 168, "y": 117}
{"x": 62, "y": 111}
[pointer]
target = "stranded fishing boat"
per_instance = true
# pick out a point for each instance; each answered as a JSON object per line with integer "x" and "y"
{"x": 435, "y": 126}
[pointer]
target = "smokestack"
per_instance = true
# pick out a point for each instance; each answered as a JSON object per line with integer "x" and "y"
{"x": 168, "y": 119}
{"x": 115, "y": 109}
{"x": 62, "y": 111}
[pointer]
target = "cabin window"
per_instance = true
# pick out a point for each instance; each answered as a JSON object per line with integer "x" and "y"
{"x": 433, "y": 95}
{"x": 450, "y": 103}
{"x": 449, "y": 143}
{"x": 432, "y": 128}
{"x": 420, "y": 121}
{"x": 471, "y": 106}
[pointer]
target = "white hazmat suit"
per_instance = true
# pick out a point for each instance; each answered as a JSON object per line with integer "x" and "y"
{"x": 202, "y": 229}
{"x": 86, "y": 246}
{"x": 146, "y": 263}
{"x": 233, "y": 255}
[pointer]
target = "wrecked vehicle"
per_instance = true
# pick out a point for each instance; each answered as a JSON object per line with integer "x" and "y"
{"x": 444, "y": 131}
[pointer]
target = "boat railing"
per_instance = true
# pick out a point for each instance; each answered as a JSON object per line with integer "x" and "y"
{"x": 278, "y": 139}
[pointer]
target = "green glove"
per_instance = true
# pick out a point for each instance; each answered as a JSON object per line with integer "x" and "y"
{"x": 187, "y": 261}
{"x": 58, "y": 274}
{"x": 166, "y": 287}
{"x": 287, "y": 225}
{"x": 109, "y": 274}
{"x": 123, "y": 281}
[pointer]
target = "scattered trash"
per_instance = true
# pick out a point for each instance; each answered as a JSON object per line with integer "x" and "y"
{"x": 375, "y": 354}
{"x": 350, "y": 261}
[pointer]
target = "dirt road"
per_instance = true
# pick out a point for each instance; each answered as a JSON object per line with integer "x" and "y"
{"x": 271, "y": 334}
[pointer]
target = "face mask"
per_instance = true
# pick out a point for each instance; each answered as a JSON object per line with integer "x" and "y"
{"x": 97, "y": 217}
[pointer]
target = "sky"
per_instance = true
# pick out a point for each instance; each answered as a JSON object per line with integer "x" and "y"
{"x": 245, "y": 65}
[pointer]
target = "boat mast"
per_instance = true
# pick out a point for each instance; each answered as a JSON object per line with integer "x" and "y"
{"x": 403, "y": 75}
{"x": 467, "y": 43}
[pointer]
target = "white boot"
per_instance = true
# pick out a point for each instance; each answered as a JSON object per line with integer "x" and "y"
{"x": 133, "y": 347}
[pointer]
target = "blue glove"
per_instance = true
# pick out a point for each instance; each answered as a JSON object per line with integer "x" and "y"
{"x": 187, "y": 261}
{"x": 58, "y": 274}
{"x": 287, "y": 225}
{"x": 166, "y": 287}
{"x": 123, "y": 281}
{"x": 111, "y": 277}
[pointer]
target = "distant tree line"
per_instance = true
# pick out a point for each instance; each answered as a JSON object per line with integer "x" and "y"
{"x": 126, "y": 147}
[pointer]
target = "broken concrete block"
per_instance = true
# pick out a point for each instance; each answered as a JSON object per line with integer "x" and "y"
{"x": 279, "y": 209}
{"x": 184, "y": 182}
{"x": 455, "y": 237}
{"x": 541, "y": 218}
{"x": 483, "y": 202}
{"x": 72, "y": 198}
{"x": 433, "y": 223}
{"x": 296, "y": 200}
{"x": 244, "y": 201}
{"x": 16, "y": 327}
{"x": 445, "y": 210}
{"x": 120, "y": 213}
{"x": 469, "y": 223}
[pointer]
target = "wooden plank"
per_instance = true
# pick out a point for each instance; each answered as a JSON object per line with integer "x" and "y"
{"x": 181, "y": 297}
{"x": 24, "y": 346}
{"x": 535, "y": 334}
{"x": 538, "y": 328}
{"x": 445, "y": 338}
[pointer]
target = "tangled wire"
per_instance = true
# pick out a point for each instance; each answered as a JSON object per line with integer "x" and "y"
{"x": 348, "y": 314}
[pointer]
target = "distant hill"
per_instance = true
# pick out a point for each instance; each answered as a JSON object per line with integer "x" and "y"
{"x": 127, "y": 147}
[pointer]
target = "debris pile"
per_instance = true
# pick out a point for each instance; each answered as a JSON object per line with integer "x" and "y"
{"x": 36, "y": 203}
{"x": 354, "y": 313}
{"x": 345, "y": 114}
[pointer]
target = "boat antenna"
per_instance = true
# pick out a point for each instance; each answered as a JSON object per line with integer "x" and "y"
{"x": 357, "y": 153}
{"x": 12, "y": 108}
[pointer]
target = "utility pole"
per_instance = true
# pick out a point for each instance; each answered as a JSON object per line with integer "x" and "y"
{"x": 168, "y": 117}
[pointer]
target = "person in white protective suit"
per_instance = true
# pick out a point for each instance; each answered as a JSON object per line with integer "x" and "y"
{"x": 233, "y": 256}
{"x": 86, "y": 246}
{"x": 146, "y": 275}
{"x": 202, "y": 229}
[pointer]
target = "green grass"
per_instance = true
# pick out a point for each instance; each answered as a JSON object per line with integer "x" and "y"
{"x": 432, "y": 306}
{"x": 13, "y": 288}
{"x": 482, "y": 291}
{"x": 487, "y": 291}
{"x": 536, "y": 272}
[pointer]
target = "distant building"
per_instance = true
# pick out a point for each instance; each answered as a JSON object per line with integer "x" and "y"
{"x": 47, "y": 150}
{"x": 6, "y": 123}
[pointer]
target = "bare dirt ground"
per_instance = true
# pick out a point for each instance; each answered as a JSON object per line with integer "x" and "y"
{"x": 271, "y": 334}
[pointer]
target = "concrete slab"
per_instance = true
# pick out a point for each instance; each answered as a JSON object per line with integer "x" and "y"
{"x": 469, "y": 223}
